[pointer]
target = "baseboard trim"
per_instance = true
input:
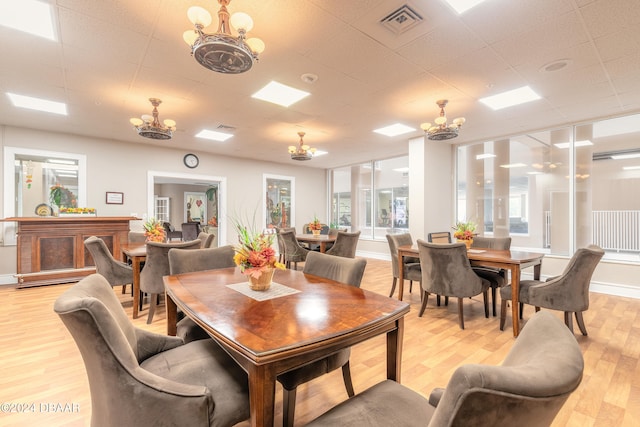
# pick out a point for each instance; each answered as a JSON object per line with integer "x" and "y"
{"x": 8, "y": 279}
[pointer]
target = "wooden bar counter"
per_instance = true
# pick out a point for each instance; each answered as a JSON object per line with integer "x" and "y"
{"x": 51, "y": 250}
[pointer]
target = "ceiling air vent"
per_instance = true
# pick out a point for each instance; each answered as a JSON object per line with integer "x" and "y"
{"x": 401, "y": 19}
{"x": 225, "y": 127}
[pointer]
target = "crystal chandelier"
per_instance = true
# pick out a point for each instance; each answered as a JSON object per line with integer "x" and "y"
{"x": 150, "y": 127}
{"x": 302, "y": 151}
{"x": 222, "y": 52}
{"x": 441, "y": 130}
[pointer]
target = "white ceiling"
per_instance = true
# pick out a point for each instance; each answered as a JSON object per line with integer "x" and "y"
{"x": 113, "y": 55}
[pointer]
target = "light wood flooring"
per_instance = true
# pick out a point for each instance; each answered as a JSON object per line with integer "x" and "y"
{"x": 41, "y": 365}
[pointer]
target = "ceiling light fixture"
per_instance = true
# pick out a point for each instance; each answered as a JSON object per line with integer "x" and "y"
{"x": 222, "y": 52}
{"x": 150, "y": 127}
{"x": 441, "y": 130}
{"x": 302, "y": 151}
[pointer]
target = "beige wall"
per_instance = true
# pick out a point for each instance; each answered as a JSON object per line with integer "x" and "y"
{"x": 123, "y": 167}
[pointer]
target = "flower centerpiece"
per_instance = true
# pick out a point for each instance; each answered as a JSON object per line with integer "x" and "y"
{"x": 154, "y": 230}
{"x": 315, "y": 226}
{"x": 464, "y": 232}
{"x": 256, "y": 257}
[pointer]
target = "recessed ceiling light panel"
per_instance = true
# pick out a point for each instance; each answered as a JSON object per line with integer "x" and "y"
{"x": 510, "y": 98}
{"x": 31, "y": 16}
{"x": 394, "y": 130}
{"x": 280, "y": 94}
{"x": 38, "y": 104}
{"x": 213, "y": 135}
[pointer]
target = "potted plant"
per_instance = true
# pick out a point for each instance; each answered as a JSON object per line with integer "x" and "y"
{"x": 256, "y": 257}
{"x": 464, "y": 232}
{"x": 315, "y": 226}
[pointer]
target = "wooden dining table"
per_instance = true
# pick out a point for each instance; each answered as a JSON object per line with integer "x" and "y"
{"x": 320, "y": 239}
{"x": 137, "y": 253}
{"x": 514, "y": 261}
{"x": 302, "y": 318}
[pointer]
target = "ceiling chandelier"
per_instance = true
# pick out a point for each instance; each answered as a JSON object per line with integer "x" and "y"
{"x": 441, "y": 130}
{"x": 302, "y": 151}
{"x": 150, "y": 127}
{"x": 222, "y": 52}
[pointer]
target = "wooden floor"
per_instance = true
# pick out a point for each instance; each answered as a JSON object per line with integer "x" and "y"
{"x": 42, "y": 370}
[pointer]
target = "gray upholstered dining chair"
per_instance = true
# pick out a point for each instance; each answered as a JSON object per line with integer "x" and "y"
{"x": 542, "y": 369}
{"x": 117, "y": 273}
{"x": 568, "y": 292}
{"x": 496, "y": 276}
{"x": 446, "y": 271}
{"x": 343, "y": 270}
{"x": 206, "y": 239}
{"x": 197, "y": 260}
{"x": 293, "y": 251}
{"x": 190, "y": 231}
{"x": 281, "y": 245}
{"x": 345, "y": 244}
{"x": 170, "y": 232}
{"x": 156, "y": 266}
{"x": 140, "y": 378}
{"x": 411, "y": 265}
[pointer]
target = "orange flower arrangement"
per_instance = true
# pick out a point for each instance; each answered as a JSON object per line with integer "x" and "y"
{"x": 255, "y": 254}
{"x": 154, "y": 230}
{"x": 464, "y": 230}
{"x": 315, "y": 224}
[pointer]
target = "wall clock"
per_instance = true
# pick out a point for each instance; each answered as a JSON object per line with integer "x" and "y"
{"x": 191, "y": 161}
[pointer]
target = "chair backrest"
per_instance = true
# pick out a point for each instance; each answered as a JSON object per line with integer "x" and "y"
{"x": 206, "y": 239}
{"x": 156, "y": 264}
{"x": 136, "y": 237}
{"x": 570, "y": 290}
{"x": 345, "y": 245}
{"x": 542, "y": 369}
{"x": 200, "y": 259}
{"x": 335, "y": 231}
{"x": 439, "y": 237}
{"x": 446, "y": 270}
{"x": 396, "y": 240}
{"x": 502, "y": 243}
{"x": 281, "y": 246}
{"x": 344, "y": 270}
{"x": 190, "y": 231}
{"x": 293, "y": 252}
{"x": 106, "y": 264}
{"x": 168, "y": 227}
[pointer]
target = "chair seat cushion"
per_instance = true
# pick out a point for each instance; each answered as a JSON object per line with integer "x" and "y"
{"x": 292, "y": 379}
{"x": 189, "y": 331}
{"x": 492, "y": 275}
{"x": 205, "y": 363}
{"x": 505, "y": 292}
{"x": 385, "y": 404}
{"x": 412, "y": 271}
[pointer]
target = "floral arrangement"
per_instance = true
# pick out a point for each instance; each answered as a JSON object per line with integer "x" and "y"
{"x": 254, "y": 255}
{"x": 154, "y": 230}
{"x": 213, "y": 221}
{"x": 61, "y": 196}
{"x": 464, "y": 230}
{"x": 315, "y": 224}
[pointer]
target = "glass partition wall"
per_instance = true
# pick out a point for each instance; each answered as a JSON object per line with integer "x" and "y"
{"x": 559, "y": 190}
{"x": 371, "y": 197}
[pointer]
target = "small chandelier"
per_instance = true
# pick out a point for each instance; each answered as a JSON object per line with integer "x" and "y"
{"x": 441, "y": 130}
{"x": 221, "y": 51}
{"x": 302, "y": 151}
{"x": 149, "y": 126}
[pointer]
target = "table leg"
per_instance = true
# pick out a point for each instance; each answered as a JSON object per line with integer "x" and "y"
{"x": 394, "y": 351}
{"x": 262, "y": 394}
{"x": 323, "y": 247}
{"x": 172, "y": 315}
{"x": 515, "y": 300}
{"x": 401, "y": 275}
{"x": 135, "y": 264}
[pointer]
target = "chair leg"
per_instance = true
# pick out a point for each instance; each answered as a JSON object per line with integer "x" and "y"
{"x": 580, "y": 322}
{"x": 568, "y": 320}
{"x": 124, "y": 289}
{"x": 485, "y": 297}
{"x": 410, "y": 286}
{"x": 460, "y": 312}
{"x": 521, "y": 309}
{"x": 438, "y": 300}
{"x": 346, "y": 376}
{"x": 153, "y": 303}
{"x": 503, "y": 313}
{"x": 446, "y": 301}
{"x": 493, "y": 299}
{"x": 393, "y": 286}
{"x": 424, "y": 302}
{"x": 288, "y": 407}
